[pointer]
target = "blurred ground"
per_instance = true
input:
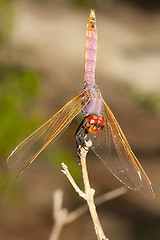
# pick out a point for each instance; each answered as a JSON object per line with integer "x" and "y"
{"x": 48, "y": 38}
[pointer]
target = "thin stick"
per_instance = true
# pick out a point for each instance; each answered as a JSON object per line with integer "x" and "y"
{"x": 89, "y": 192}
{"x": 67, "y": 173}
{"x": 99, "y": 200}
{"x": 61, "y": 215}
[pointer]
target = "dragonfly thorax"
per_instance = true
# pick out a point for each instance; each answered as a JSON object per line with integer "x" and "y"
{"x": 94, "y": 124}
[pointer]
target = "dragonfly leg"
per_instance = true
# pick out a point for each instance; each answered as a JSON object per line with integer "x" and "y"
{"x": 80, "y": 141}
{"x": 94, "y": 138}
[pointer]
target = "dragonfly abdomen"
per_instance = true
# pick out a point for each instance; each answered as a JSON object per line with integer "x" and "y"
{"x": 90, "y": 51}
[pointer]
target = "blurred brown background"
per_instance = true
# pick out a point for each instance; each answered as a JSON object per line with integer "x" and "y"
{"x": 41, "y": 68}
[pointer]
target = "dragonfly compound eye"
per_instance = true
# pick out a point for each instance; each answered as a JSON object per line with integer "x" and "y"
{"x": 92, "y": 119}
{"x": 94, "y": 124}
{"x": 101, "y": 121}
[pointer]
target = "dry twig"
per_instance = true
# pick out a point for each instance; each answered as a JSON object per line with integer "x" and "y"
{"x": 61, "y": 215}
{"x": 89, "y": 192}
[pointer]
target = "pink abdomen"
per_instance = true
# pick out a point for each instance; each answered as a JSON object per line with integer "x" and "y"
{"x": 90, "y": 52}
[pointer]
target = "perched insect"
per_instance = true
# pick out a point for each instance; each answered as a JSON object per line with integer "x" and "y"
{"x": 99, "y": 124}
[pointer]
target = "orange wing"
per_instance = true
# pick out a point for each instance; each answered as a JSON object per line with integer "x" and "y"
{"x": 26, "y": 152}
{"x": 113, "y": 148}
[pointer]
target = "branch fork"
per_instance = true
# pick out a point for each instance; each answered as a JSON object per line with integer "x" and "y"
{"x": 62, "y": 216}
{"x": 88, "y": 193}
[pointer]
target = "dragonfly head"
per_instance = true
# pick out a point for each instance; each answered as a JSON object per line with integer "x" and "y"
{"x": 94, "y": 124}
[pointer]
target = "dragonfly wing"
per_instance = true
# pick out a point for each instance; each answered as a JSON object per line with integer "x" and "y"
{"x": 26, "y": 152}
{"x": 113, "y": 148}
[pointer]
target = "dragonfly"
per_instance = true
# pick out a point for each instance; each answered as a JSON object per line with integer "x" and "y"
{"x": 99, "y": 124}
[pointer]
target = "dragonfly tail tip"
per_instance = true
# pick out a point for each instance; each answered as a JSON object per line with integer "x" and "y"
{"x": 92, "y": 12}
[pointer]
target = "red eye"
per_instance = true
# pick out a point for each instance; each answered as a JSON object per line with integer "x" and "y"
{"x": 92, "y": 119}
{"x": 101, "y": 121}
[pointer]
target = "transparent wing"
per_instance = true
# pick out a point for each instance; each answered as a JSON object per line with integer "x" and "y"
{"x": 26, "y": 152}
{"x": 113, "y": 148}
